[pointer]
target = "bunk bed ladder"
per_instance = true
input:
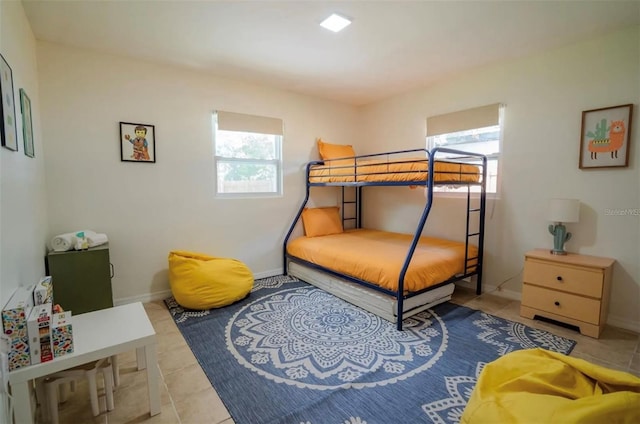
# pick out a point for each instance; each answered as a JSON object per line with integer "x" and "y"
{"x": 473, "y": 265}
{"x": 354, "y": 214}
{"x": 470, "y": 262}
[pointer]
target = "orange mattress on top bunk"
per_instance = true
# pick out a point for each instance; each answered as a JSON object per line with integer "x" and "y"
{"x": 378, "y": 256}
{"x": 406, "y": 169}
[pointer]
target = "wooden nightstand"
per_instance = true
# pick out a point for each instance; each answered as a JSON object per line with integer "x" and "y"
{"x": 573, "y": 289}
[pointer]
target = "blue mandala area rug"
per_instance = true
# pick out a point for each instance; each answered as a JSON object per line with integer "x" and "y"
{"x": 292, "y": 353}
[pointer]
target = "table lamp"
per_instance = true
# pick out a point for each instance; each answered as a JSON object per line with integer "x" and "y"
{"x": 560, "y": 211}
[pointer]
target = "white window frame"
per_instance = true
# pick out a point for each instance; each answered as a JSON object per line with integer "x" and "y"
{"x": 445, "y": 191}
{"x": 277, "y": 161}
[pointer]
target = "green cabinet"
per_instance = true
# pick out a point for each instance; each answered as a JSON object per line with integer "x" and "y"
{"x": 81, "y": 279}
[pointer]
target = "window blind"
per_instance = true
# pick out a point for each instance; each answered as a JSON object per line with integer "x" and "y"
{"x": 231, "y": 121}
{"x": 479, "y": 117}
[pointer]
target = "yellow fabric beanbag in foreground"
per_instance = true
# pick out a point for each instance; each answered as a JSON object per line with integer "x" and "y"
{"x": 199, "y": 281}
{"x": 539, "y": 386}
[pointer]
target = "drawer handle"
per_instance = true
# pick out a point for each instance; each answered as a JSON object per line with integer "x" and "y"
{"x": 559, "y": 278}
{"x": 556, "y": 303}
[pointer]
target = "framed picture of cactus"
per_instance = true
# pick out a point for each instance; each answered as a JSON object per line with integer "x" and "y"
{"x": 605, "y": 136}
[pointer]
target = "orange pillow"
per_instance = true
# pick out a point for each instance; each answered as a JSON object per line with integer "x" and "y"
{"x": 321, "y": 221}
{"x": 335, "y": 151}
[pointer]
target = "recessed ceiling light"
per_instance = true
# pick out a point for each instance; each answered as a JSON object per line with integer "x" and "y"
{"x": 335, "y": 23}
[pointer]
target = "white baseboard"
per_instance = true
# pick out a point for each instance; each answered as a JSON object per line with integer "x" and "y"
{"x": 144, "y": 298}
{"x": 489, "y": 289}
{"x": 161, "y": 295}
{"x": 501, "y": 292}
{"x": 270, "y": 273}
{"x": 624, "y": 323}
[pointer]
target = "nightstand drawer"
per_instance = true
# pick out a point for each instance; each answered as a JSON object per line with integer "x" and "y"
{"x": 572, "y": 279}
{"x": 565, "y": 304}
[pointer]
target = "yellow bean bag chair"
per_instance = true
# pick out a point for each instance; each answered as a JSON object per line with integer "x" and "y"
{"x": 200, "y": 281}
{"x": 539, "y": 386}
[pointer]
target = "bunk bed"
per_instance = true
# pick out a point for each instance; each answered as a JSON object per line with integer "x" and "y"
{"x": 389, "y": 274}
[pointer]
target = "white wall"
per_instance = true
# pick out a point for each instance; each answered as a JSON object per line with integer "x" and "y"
{"x": 23, "y": 216}
{"x": 544, "y": 96}
{"x": 146, "y": 209}
{"x": 23, "y": 212}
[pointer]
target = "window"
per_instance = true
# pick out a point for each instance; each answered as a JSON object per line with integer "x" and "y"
{"x": 248, "y": 155}
{"x": 477, "y": 130}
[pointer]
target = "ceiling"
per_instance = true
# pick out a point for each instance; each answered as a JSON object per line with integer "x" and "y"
{"x": 390, "y": 48}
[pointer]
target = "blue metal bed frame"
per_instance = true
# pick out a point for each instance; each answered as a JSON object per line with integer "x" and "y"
{"x": 462, "y": 158}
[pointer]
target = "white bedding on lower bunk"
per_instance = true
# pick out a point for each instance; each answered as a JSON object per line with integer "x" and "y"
{"x": 371, "y": 300}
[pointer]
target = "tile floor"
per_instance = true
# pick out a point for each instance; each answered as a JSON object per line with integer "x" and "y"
{"x": 187, "y": 396}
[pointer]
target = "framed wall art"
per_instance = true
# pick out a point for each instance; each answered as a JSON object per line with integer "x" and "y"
{"x": 27, "y": 125}
{"x": 8, "y": 129}
{"x": 137, "y": 142}
{"x": 604, "y": 138}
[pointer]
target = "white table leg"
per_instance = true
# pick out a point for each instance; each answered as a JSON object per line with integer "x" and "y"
{"x": 22, "y": 399}
{"x": 116, "y": 370}
{"x": 153, "y": 378}
{"x": 140, "y": 358}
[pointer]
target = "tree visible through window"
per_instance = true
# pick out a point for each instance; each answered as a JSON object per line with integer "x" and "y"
{"x": 247, "y": 162}
{"x": 476, "y": 130}
{"x": 480, "y": 140}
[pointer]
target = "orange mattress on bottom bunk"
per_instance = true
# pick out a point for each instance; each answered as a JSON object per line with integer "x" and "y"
{"x": 378, "y": 256}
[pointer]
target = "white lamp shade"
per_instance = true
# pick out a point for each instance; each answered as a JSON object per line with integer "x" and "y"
{"x": 564, "y": 210}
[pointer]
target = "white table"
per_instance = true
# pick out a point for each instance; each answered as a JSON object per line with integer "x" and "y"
{"x": 96, "y": 335}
